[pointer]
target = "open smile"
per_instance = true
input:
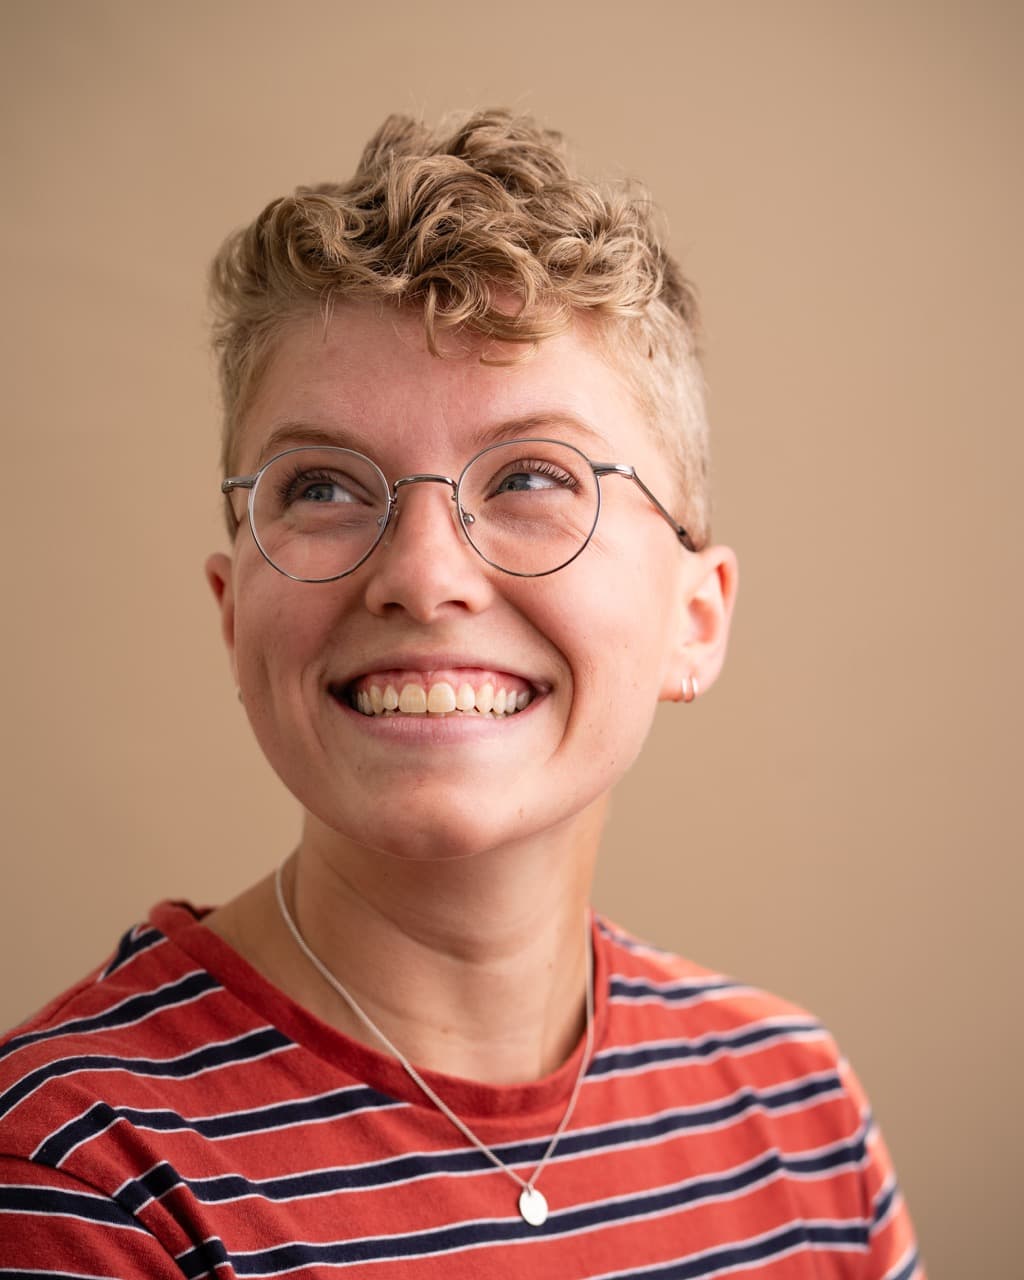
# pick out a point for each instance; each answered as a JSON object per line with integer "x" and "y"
{"x": 459, "y": 692}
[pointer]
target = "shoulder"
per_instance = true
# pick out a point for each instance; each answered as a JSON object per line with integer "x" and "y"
{"x": 730, "y": 1057}
{"x": 115, "y": 1041}
{"x": 638, "y": 971}
{"x": 758, "y": 1076}
{"x": 707, "y": 1019}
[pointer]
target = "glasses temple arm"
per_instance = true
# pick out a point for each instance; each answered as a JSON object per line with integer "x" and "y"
{"x": 621, "y": 469}
{"x": 227, "y": 487}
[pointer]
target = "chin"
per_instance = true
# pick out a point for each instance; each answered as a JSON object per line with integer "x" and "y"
{"x": 461, "y": 831}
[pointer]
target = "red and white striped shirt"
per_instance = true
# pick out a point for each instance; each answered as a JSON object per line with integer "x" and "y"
{"x": 175, "y": 1115}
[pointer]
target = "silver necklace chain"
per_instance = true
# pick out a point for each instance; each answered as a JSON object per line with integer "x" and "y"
{"x": 533, "y": 1207}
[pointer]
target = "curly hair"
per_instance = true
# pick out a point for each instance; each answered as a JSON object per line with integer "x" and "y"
{"x": 456, "y": 222}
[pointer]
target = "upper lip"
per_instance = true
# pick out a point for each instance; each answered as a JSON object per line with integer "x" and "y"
{"x": 417, "y": 660}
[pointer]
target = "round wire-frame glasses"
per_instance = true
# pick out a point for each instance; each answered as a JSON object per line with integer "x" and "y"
{"x": 282, "y": 486}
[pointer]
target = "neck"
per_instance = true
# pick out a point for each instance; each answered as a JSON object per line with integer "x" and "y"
{"x": 475, "y": 966}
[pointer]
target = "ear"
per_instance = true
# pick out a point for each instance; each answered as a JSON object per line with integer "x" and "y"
{"x": 218, "y": 575}
{"x": 711, "y": 577}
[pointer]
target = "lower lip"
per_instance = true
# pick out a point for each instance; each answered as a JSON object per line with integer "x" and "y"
{"x": 453, "y": 727}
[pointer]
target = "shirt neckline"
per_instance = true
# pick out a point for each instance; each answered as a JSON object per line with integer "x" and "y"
{"x": 182, "y": 924}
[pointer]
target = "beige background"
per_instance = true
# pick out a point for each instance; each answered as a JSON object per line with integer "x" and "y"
{"x": 839, "y": 820}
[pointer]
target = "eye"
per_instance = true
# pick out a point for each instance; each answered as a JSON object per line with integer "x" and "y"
{"x": 322, "y": 487}
{"x": 530, "y": 475}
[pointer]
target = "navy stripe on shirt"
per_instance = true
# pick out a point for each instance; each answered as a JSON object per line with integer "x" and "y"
{"x": 848, "y": 1153}
{"x": 130, "y": 1011}
{"x": 137, "y": 939}
{"x": 511, "y": 1230}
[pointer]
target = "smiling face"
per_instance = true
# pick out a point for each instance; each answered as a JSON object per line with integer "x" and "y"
{"x": 428, "y": 704}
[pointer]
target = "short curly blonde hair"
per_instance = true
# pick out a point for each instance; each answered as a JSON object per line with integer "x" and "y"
{"x": 455, "y": 222}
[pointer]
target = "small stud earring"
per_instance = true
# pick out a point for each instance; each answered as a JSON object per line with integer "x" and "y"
{"x": 690, "y": 688}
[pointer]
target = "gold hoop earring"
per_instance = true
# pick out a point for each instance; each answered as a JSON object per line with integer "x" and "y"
{"x": 690, "y": 688}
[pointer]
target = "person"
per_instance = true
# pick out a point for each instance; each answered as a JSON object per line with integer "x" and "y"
{"x": 466, "y": 486}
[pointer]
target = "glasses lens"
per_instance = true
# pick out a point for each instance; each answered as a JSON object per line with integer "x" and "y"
{"x": 529, "y": 506}
{"x": 317, "y": 513}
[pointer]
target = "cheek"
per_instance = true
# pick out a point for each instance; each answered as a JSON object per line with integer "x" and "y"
{"x": 623, "y": 620}
{"x": 280, "y": 629}
{"x": 614, "y": 631}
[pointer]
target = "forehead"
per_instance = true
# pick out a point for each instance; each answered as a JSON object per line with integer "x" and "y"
{"x": 368, "y": 380}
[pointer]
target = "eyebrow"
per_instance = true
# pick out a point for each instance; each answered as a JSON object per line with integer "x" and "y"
{"x": 532, "y": 424}
{"x": 297, "y": 433}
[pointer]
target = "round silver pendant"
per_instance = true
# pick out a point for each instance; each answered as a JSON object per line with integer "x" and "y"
{"x": 533, "y": 1207}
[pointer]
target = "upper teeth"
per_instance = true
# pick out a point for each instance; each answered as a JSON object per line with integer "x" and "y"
{"x": 441, "y": 699}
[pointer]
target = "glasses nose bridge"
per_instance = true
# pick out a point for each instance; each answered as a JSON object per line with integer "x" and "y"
{"x": 425, "y": 477}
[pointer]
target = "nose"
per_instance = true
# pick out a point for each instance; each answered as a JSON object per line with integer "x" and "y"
{"x": 424, "y": 564}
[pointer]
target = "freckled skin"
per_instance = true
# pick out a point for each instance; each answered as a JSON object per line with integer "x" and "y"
{"x": 611, "y": 634}
{"x": 486, "y": 947}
